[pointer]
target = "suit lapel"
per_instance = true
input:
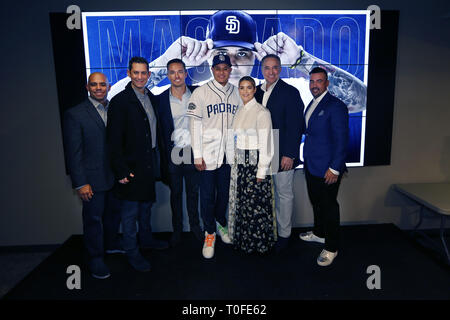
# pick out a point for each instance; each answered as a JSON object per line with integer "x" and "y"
{"x": 134, "y": 100}
{"x": 307, "y": 108}
{"x": 259, "y": 94}
{"x": 320, "y": 107}
{"x": 274, "y": 94}
{"x": 93, "y": 113}
{"x": 169, "y": 110}
{"x": 305, "y": 113}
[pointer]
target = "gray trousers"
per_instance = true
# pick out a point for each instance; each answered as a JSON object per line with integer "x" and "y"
{"x": 284, "y": 201}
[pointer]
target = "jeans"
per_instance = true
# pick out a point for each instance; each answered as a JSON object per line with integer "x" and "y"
{"x": 131, "y": 213}
{"x": 214, "y": 192}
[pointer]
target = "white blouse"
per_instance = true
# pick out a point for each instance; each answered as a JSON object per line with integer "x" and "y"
{"x": 252, "y": 130}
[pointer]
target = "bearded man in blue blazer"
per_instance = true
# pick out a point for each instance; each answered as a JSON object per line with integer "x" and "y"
{"x": 324, "y": 152}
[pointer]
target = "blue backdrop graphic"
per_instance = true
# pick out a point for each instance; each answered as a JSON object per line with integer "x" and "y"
{"x": 337, "y": 38}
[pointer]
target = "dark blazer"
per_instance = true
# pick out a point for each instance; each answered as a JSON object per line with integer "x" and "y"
{"x": 85, "y": 148}
{"x": 130, "y": 146}
{"x": 326, "y": 138}
{"x": 286, "y": 109}
{"x": 167, "y": 126}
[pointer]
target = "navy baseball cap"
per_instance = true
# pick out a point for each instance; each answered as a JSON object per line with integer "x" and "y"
{"x": 232, "y": 28}
{"x": 221, "y": 58}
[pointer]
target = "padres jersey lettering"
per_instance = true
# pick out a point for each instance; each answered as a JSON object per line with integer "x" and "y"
{"x": 212, "y": 108}
{"x": 221, "y": 107}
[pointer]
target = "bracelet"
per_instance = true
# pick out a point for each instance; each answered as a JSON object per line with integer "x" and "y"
{"x": 297, "y": 62}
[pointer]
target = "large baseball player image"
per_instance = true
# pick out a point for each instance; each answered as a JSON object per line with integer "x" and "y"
{"x": 234, "y": 33}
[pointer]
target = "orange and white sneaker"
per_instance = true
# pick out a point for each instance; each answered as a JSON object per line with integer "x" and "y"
{"x": 208, "y": 246}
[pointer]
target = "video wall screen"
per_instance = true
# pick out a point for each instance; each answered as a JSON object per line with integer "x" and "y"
{"x": 335, "y": 40}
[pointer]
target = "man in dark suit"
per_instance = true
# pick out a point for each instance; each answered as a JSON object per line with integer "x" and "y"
{"x": 91, "y": 174}
{"x": 174, "y": 127}
{"x": 324, "y": 152}
{"x": 133, "y": 142}
{"x": 286, "y": 109}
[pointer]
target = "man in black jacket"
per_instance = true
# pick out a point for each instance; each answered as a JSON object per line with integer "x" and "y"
{"x": 133, "y": 142}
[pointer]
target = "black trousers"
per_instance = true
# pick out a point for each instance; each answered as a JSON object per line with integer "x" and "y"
{"x": 323, "y": 198}
{"x": 101, "y": 222}
{"x": 192, "y": 182}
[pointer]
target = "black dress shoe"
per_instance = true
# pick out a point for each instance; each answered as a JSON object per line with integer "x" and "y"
{"x": 198, "y": 233}
{"x": 138, "y": 262}
{"x": 281, "y": 244}
{"x": 155, "y": 244}
{"x": 98, "y": 268}
{"x": 175, "y": 239}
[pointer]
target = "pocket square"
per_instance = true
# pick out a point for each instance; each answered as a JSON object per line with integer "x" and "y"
{"x": 320, "y": 113}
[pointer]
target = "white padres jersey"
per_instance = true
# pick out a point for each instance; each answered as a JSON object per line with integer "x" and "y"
{"x": 212, "y": 108}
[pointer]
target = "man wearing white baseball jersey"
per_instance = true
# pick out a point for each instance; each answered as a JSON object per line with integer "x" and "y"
{"x": 212, "y": 108}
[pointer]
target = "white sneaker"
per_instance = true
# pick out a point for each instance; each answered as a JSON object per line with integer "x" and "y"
{"x": 326, "y": 258}
{"x": 311, "y": 237}
{"x": 208, "y": 246}
{"x": 223, "y": 233}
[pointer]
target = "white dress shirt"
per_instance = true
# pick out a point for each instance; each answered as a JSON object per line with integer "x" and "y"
{"x": 267, "y": 93}
{"x": 252, "y": 130}
{"x": 181, "y": 136}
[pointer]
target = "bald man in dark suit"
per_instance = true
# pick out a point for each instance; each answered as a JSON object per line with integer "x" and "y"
{"x": 91, "y": 173}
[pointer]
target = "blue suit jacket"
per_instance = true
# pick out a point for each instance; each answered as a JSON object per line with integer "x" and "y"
{"x": 286, "y": 109}
{"x": 85, "y": 148}
{"x": 167, "y": 127}
{"x": 326, "y": 137}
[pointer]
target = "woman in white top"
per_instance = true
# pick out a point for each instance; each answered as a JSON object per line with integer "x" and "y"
{"x": 251, "y": 221}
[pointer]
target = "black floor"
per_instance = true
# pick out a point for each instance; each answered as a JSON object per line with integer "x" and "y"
{"x": 407, "y": 272}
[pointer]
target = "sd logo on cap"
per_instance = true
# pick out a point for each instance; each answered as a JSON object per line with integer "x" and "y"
{"x": 232, "y": 28}
{"x": 221, "y": 58}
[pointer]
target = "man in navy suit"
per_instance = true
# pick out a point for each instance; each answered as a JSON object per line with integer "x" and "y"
{"x": 324, "y": 152}
{"x": 91, "y": 174}
{"x": 286, "y": 109}
{"x": 174, "y": 127}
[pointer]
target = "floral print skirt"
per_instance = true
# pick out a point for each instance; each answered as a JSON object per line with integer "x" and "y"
{"x": 251, "y": 220}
